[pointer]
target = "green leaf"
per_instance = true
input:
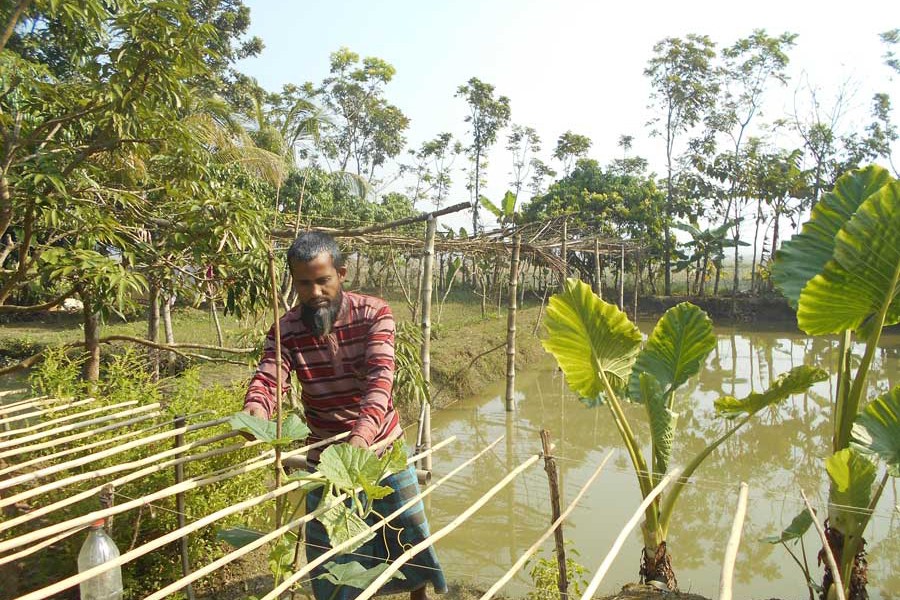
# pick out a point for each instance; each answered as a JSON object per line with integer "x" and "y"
{"x": 799, "y": 525}
{"x": 662, "y": 422}
{"x": 349, "y": 467}
{"x": 804, "y": 256}
{"x": 342, "y": 523}
{"x": 675, "y": 351}
{"x": 588, "y": 336}
{"x": 353, "y": 574}
{"x": 877, "y": 430}
{"x": 492, "y": 208}
{"x": 281, "y": 556}
{"x": 797, "y": 380}
{"x": 852, "y": 475}
{"x": 863, "y": 278}
{"x": 509, "y": 204}
{"x": 238, "y": 536}
{"x": 292, "y": 428}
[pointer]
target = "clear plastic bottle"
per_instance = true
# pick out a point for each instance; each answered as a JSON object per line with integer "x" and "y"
{"x": 97, "y": 549}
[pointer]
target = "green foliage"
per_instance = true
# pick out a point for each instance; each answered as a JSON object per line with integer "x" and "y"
{"x": 410, "y": 388}
{"x": 544, "y": 575}
{"x": 799, "y": 525}
{"x": 354, "y": 575}
{"x": 877, "y": 430}
{"x": 796, "y": 381}
{"x": 57, "y": 375}
{"x": 292, "y": 428}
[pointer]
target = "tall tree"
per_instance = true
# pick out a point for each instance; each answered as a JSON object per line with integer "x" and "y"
{"x": 433, "y": 168}
{"x": 487, "y": 116}
{"x": 524, "y": 143}
{"x": 569, "y": 148}
{"x": 684, "y": 85}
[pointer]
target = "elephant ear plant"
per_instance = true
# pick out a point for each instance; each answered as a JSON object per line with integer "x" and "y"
{"x": 842, "y": 275}
{"x": 599, "y": 351}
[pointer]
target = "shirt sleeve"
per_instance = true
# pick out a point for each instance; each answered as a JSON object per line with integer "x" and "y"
{"x": 262, "y": 388}
{"x": 376, "y": 401}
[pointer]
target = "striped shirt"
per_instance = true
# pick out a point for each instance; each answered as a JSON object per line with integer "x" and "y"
{"x": 346, "y": 376}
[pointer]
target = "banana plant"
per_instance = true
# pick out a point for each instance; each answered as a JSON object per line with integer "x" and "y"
{"x": 506, "y": 213}
{"x": 841, "y": 274}
{"x": 599, "y": 351}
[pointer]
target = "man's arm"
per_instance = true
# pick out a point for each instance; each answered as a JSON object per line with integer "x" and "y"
{"x": 379, "y": 379}
{"x": 260, "y": 398}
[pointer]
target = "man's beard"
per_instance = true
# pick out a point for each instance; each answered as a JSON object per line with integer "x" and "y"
{"x": 320, "y": 319}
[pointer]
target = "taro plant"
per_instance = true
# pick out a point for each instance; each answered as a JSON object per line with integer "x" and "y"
{"x": 842, "y": 275}
{"x": 599, "y": 351}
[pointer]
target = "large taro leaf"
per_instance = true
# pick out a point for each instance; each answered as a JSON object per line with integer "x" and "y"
{"x": 852, "y": 475}
{"x": 292, "y": 428}
{"x": 804, "y": 256}
{"x": 863, "y": 278}
{"x": 797, "y": 380}
{"x": 662, "y": 422}
{"x": 348, "y": 468}
{"x": 587, "y": 336}
{"x": 877, "y": 430}
{"x": 353, "y": 574}
{"x": 675, "y": 351}
{"x": 799, "y": 525}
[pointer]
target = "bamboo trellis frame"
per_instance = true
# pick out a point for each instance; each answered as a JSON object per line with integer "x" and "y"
{"x": 43, "y": 411}
{"x": 58, "y": 420}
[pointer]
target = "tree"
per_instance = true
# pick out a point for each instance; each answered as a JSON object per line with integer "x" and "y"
{"x": 522, "y": 142}
{"x": 487, "y": 116}
{"x": 569, "y": 148}
{"x": 684, "y": 87}
{"x": 433, "y": 168}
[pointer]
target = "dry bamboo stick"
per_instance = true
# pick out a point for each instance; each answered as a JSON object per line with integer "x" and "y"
{"x": 734, "y": 542}
{"x": 40, "y": 545}
{"x": 425, "y": 350}
{"x": 73, "y": 426}
{"x": 511, "y": 325}
{"x": 6, "y": 393}
{"x": 163, "y": 540}
{"x": 296, "y": 576}
{"x": 26, "y": 403}
{"x": 836, "y": 575}
{"x": 78, "y": 462}
{"x": 437, "y": 535}
{"x": 44, "y": 411}
{"x": 74, "y": 437}
{"x": 56, "y": 421}
{"x": 537, "y": 544}
{"x": 190, "y": 484}
{"x": 61, "y": 453}
{"x": 626, "y": 531}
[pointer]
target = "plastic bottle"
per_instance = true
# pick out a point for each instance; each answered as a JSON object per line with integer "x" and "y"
{"x": 97, "y": 549}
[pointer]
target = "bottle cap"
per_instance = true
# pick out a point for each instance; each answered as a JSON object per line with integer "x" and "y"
{"x": 98, "y": 523}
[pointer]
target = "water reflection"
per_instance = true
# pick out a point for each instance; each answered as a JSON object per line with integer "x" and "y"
{"x": 780, "y": 452}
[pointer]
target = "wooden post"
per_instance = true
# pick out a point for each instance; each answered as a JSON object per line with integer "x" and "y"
{"x": 511, "y": 325}
{"x": 279, "y": 503}
{"x": 553, "y": 478}
{"x": 622, "y": 280}
{"x": 564, "y": 253}
{"x": 427, "y": 268}
{"x": 598, "y": 274}
{"x": 637, "y": 283}
{"x": 179, "y": 508}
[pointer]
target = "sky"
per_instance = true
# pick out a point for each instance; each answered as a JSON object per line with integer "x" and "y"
{"x": 567, "y": 64}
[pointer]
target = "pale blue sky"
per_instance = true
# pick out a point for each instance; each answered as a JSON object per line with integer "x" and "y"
{"x": 566, "y": 64}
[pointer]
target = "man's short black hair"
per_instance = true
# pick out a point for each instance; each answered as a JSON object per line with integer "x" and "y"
{"x": 311, "y": 244}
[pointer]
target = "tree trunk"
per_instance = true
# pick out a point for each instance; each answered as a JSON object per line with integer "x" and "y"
{"x": 153, "y": 329}
{"x": 753, "y": 278}
{"x": 91, "y": 368}
{"x": 168, "y": 301}
{"x": 215, "y": 317}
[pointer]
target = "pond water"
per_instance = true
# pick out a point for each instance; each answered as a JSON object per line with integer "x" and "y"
{"x": 777, "y": 454}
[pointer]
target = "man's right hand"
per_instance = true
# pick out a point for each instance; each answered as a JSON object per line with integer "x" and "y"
{"x": 254, "y": 410}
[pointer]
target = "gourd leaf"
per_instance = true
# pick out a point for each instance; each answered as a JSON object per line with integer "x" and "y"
{"x": 852, "y": 475}
{"x": 877, "y": 430}
{"x": 342, "y": 523}
{"x": 238, "y": 536}
{"x": 804, "y": 256}
{"x": 676, "y": 350}
{"x": 863, "y": 278}
{"x": 662, "y": 422}
{"x": 353, "y": 574}
{"x": 797, "y": 380}
{"x": 587, "y": 336}
{"x": 281, "y": 556}
{"x": 348, "y": 468}
{"x": 799, "y": 525}
{"x": 292, "y": 428}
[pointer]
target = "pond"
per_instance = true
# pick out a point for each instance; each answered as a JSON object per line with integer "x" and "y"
{"x": 778, "y": 453}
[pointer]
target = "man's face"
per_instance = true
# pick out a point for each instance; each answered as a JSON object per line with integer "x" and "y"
{"x": 318, "y": 286}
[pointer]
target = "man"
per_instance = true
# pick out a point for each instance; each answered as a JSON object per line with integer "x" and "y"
{"x": 341, "y": 345}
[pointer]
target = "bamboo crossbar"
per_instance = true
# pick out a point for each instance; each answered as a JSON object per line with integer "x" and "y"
{"x": 79, "y": 436}
{"x": 26, "y": 403}
{"x": 40, "y": 545}
{"x": 295, "y": 577}
{"x": 734, "y": 542}
{"x": 167, "y": 538}
{"x": 74, "y": 426}
{"x": 43, "y": 411}
{"x": 78, "y": 462}
{"x": 444, "y": 531}
{"x": 626, "y": 531}
{"x": 58, "y": 420}
{"x": 188, "y": 484}
{"x": 6, "y": 393}
{"x": 537, "y": 544}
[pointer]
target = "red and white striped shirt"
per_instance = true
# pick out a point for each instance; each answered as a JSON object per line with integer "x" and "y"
{"x": 346, "y": 376}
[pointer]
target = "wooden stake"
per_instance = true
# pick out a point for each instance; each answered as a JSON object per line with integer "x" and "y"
{"x": 564, "y": 253}
{"x": 598, "y": 272}
{"x": 427, "y": 269}
{"x": 553, "y": 480}
{"x": 180, "y": 508}
{"x": 511, "y": 325}
{"x": 637, "y": 284}
{"x": 837, "y": 578}
{"x": 622, "y": 280}
{"x": 734, "y": 542}
{"x": 279, "y": 504}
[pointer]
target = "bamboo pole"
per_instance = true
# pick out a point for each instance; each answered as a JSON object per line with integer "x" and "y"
{"x": 152, "y": 408}
{"x": 26, "y": 403}
{"x": 190, "y": 484}
{"x": 296, "y": 576}
{"x": 444, "y": 531}
{"x": 180, "y": 508}
{"x": 537, "y": 544}
{"x": 40, "y": 545}
{"x": 598, "y": 272}
{"x": 511, "y": 325}
{"x": 553, "y": 479}
{"x": 734, "y": 542}
{"x": 427, "y": 268}
{"x": 564, "y": 252}
{"x": 836, "y": 576}
{"x": 279, "y": 504}
{"x": 45, "y": 411}
{"x": 637, "y": 283}
{"x": 5, "y": 393}
{"x": 626, "y": 531}
{"x": 622, "y": 280}
{"x": 58, "y": 420}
